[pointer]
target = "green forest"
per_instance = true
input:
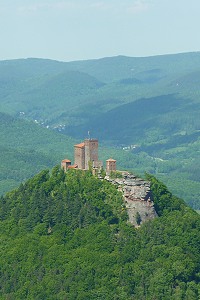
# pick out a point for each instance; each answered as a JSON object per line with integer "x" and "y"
{"x": 144, "y": 112}
{"x": 66, "y": 236}
{"x": 27, "y": 148}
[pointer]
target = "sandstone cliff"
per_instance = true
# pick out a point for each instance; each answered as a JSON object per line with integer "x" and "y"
{"x": 137, "y": 198}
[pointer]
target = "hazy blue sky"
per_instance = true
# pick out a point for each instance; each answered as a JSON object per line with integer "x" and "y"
{"x": 83, "y": 29}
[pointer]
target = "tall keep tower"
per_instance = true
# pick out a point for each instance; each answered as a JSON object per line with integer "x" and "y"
{"x": 79, "y": 155}
{"x": 91, "y": 152}
{"x": 86, "y": 156}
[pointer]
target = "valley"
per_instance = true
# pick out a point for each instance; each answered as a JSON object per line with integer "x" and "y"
{"x": 76, "y": 233}
{"x": 152, "y": 102}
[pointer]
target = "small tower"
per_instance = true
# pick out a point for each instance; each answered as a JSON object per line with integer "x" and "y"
{"x": 110, "y": 166}
{"x": 65, "y": 163}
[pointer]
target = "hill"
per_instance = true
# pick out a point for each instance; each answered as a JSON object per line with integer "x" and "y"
{"x": 66, "y": 236}
{"x": 147, "y": 106}
{"x": 57, "y": 91}
{"x": 26, "y": 148}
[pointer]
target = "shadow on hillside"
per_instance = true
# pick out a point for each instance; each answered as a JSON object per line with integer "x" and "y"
{"x": 134, "y": 121}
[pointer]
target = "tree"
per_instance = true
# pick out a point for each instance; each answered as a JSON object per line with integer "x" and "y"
{"x": 138, "y": 218}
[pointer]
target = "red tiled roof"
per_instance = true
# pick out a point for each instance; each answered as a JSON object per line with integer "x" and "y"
{"x": 73, "y": 166}
{"x": 110, "y": 159}
{"x": 81, "y": 145}
{"x": 66, "y": 161}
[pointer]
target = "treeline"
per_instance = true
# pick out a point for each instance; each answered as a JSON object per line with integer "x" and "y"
{"x": 66, "y": 236}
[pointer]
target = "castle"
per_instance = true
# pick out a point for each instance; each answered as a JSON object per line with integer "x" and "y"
{"x": 136, "y": 192}
{"x": 86, "y": 157}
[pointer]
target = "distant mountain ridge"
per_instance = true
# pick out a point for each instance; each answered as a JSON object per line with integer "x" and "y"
{"x": 151, "y": 102}
{"x": 37, "y": 85}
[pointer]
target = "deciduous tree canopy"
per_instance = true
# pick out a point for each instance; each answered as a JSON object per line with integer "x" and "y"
{"x": 66, "y": 236}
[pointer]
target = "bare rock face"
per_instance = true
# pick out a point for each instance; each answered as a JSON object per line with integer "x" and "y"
{"x": 137, "y": 198}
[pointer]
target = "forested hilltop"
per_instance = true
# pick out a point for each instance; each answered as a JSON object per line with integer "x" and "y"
{"x": 145, "y": 109}
{"x": 66, "y": 236}
{"x": 26, "y": 149}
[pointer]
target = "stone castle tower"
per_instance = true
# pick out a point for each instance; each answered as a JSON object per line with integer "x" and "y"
{"x": 110, "y": 166}
{"x": 86, "y": 153}
{"x": 86, "y": 157}
{"x": 91, "y": 152}
{"x": 79, "y": 155}
{"x": 65, "y": 163}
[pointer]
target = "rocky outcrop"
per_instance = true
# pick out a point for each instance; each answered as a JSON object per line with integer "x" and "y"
{"x": 137, "y": 198}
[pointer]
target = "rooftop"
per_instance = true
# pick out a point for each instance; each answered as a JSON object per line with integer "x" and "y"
{"x": 66, "y": 161}
{"x": 75, "y": 166}
{"x": 81, "y": 145}
{"x": 110, "y": 159}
